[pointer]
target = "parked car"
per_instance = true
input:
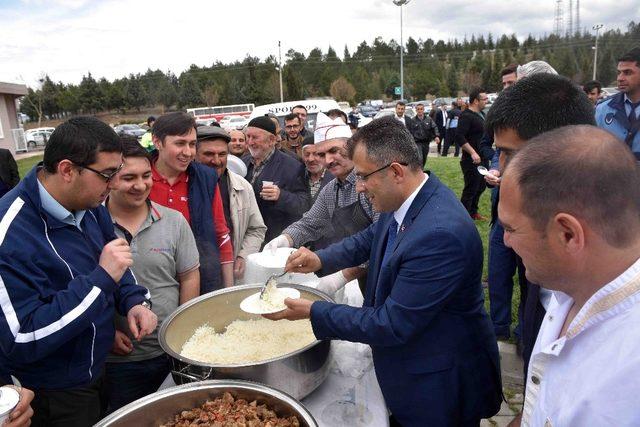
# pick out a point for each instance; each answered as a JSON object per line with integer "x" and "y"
{"x": 409, "y": 112}
{"x": 367, "y": 111}
{"x": 234, "y": 122}
{"x": 133, "y": 130}
{"x": 37, "y": 138}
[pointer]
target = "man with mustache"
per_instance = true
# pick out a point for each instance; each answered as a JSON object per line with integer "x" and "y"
{"x": 339, "y": 211}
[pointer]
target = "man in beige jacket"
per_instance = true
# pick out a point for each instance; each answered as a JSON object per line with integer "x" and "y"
{"x": 240, "y": 207}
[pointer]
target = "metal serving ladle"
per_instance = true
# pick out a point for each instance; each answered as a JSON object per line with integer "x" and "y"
{"x": 273, "y": 276}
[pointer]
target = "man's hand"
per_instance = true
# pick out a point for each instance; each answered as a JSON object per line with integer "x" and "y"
{"x": 122, "y": 345}
{"x": 437, "y": 140}
{"x": 303, "y": 261}
{"x": 116, "y": 258}
{"x": 142, "y": 321}
{"x": 238, "y": 267}
{"x": 296, "y": 309}
{"x": 493, "y": 178}
{"x": 475, "y": 158}
{"x": 22, "y": 413}
{"x": 270, "y": 192}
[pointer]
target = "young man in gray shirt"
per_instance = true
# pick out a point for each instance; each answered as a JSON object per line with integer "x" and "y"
{"x": 165, "y": 260}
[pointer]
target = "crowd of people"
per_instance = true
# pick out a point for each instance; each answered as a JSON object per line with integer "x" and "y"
{"x": 107, "y": 236}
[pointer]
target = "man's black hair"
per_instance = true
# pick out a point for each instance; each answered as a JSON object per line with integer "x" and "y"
{"x": 386, "y": 140}
{"x": 539, "y": 103}
{"x": 335, "y": 112}
{"x": 174, "y": 124}
{"x": 509, "y": 69}
{"x": 132, "y": 148}
{"x": 475, "y": 94}
{"x": 291, "y": 116}
{"x": 631, "y": 56}
{"x": 80, "y": 140}
{"x": 150, "y": 120}
{"x": 401, "y": 103}
{"x": 299, "y": 106}
{"x": 591, "y": 85}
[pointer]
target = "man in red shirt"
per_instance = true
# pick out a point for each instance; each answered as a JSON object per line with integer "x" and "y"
{"x": 190, "y": 188}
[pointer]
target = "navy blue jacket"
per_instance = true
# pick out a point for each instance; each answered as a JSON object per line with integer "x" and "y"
{"x": 434, "y": 349}
{"x": 284, "y": 171}
{"x": 57, "y": 303}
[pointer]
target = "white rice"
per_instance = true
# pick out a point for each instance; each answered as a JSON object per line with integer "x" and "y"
{"x": 248, "y": 341}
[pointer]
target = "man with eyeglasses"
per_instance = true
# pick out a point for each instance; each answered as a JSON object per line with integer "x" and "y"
{"x": 468, "y": 137}
{"x": 292, "y": 141}
{"x": 434, "y": 350}
{"x": 62, "y": 274}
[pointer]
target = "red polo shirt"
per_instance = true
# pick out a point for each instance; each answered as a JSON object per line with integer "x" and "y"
{"x": 176, "y": 197}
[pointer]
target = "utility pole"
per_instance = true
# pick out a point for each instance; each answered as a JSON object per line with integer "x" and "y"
{"x": 401, "y": 3}
{"x": 280, "y": 69}
{"x": 570, "y": 29}
{"x": 558, "y": 20}
{"x": 595, "y": 49}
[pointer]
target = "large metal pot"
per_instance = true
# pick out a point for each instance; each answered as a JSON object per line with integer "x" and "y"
{"x": 160, "y": 407}
{"x": 297, "y": 373}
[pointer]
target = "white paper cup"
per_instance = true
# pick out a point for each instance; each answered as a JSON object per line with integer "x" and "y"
{"x": 8, "y": 401}
{"x": 267, "y": 183}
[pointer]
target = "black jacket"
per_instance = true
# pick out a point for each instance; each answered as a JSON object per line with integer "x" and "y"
{"x": 8, "y": 169}
{"x": 424, "y": 130}
{"x": 284, "y": 171}
{"x": 470, "y": 130}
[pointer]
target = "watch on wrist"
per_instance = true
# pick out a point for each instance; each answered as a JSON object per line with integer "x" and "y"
{"x": 146, "y": 304}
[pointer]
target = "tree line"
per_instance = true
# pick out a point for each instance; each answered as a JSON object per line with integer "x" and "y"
{"x": 431, "y": 68}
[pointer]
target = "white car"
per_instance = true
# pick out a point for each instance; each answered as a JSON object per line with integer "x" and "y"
{"x": 234, "y": 122}
{"x": 37, "y": 137}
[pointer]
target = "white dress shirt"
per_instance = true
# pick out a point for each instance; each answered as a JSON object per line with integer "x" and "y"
{"x": 401, "y": 212}
{"x": 589, "y": 377}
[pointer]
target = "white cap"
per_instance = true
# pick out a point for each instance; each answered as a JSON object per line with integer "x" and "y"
{"x": 327, "y": 128}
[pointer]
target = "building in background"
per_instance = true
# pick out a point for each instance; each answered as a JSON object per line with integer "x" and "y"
{"x": 9, "y": 92}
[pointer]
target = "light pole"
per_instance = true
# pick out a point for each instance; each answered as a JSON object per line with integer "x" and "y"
{"x": 280, "y": 69}
{"x": 401, "y": 3}
{"x": 595, "y": 49}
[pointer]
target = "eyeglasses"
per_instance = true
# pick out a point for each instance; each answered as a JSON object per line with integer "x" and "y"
{"x": 363, "y": 178}
{"x": 106, "y": 176}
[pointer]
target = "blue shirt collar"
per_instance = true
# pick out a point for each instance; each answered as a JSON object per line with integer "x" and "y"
{"x": 56, "y": 210}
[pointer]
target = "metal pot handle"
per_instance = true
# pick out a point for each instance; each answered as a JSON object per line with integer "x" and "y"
{"x": 191, "y": 376}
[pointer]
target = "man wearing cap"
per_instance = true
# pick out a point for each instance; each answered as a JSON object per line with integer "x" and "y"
{"x": 316, "y": 175}
{"x": 339, "y": 211}
{"x": 240, "y": 207}
{"x": 275, "y": 178}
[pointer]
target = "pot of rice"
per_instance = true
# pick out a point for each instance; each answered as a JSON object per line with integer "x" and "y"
{"x": 210, "y": 337}
{"x": 217, "y": 402}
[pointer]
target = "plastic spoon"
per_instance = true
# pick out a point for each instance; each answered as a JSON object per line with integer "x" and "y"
{"x": 484, "y": 172}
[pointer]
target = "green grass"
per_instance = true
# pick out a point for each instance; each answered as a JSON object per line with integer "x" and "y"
{"x": 448, "y": 171}
{"x": 25, "y": 165}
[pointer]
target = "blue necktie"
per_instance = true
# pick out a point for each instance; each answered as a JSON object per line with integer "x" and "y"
{"x": 391, "y": 238}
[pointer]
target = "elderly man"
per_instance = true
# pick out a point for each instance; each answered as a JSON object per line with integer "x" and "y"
{"x": 240, "y": 206}
{"x": 275, "y": 177}
{"x": 434, "y": 350}
{"x": 63, "y": 273}
{"x": 315, "y": 172}
{"x": 237, "y": 143}
{"x": 339, "y": 211}
{"x": 556, "y": 207}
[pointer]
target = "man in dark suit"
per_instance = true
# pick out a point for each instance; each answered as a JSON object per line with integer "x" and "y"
{"x": 440, "y": 117}
{"x": 276, "y": 177}
{"x": 401, "y": 117}
{"x": 434, "y": 350}
{"x": 9, "y": 176}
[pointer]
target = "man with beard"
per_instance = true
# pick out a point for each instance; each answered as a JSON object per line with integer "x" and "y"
{"x": 63, "y": 273}
{"x": 293, "y": 138}
{"x": 339, "y": 211}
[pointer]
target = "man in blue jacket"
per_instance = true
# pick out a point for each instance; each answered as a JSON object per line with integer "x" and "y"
{"x": 62, "y": 273}
{"x": 620, "y": 114}
{"x": 434, "y": 349}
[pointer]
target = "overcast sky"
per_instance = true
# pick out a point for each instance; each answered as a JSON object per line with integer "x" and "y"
{"x": 112, "y": 38}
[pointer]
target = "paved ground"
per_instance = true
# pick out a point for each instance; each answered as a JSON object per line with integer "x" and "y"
{"x": 512, "y": 383}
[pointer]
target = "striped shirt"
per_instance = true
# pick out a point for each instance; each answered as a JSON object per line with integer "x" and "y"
{"x": 316, "y": 222}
